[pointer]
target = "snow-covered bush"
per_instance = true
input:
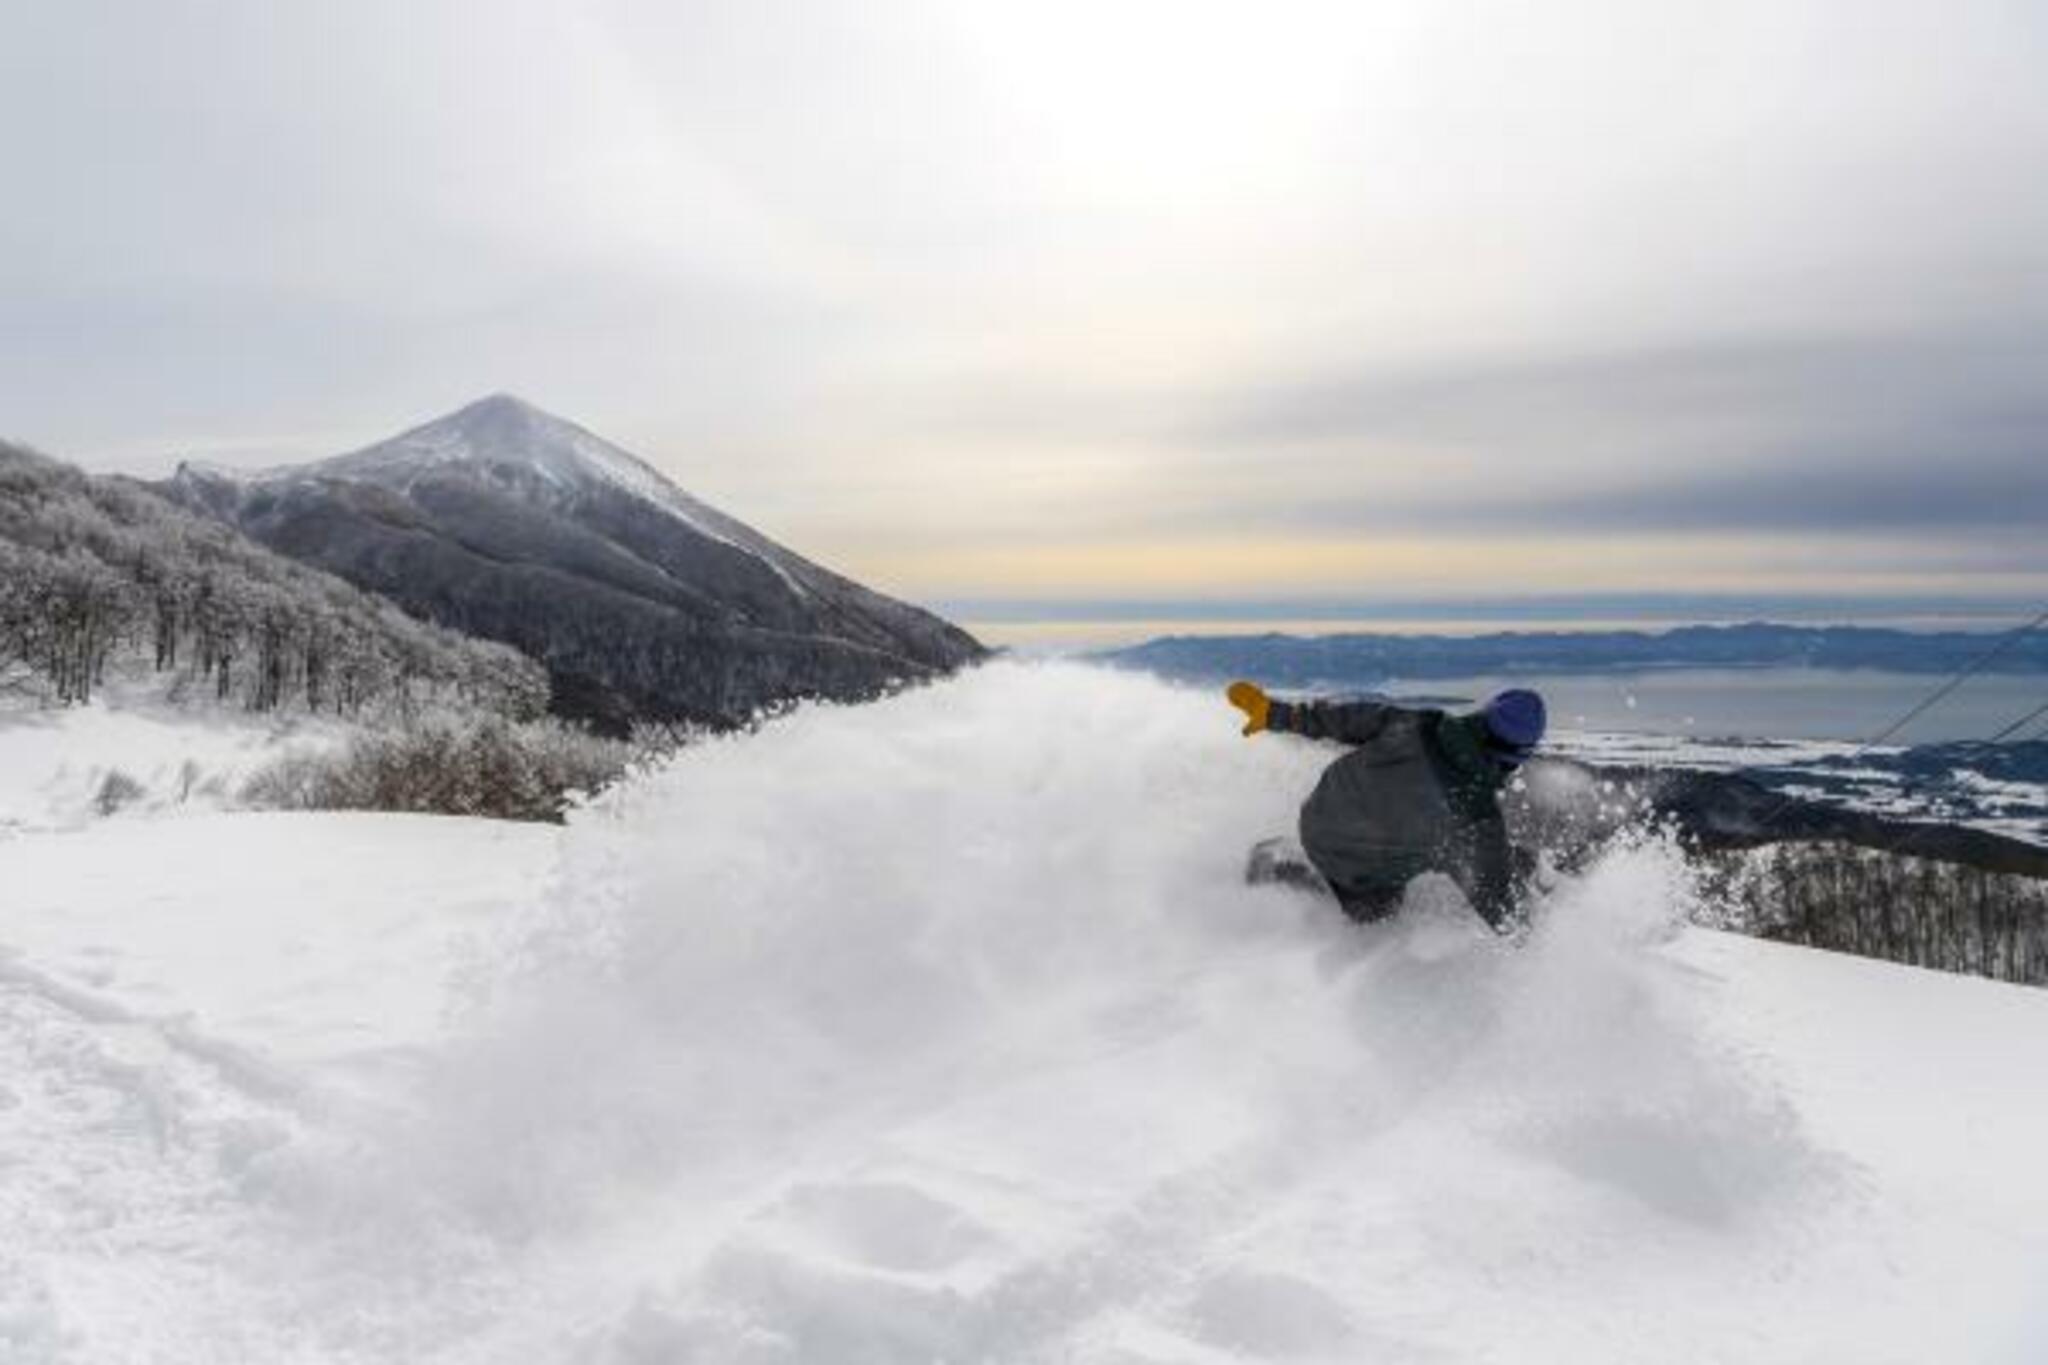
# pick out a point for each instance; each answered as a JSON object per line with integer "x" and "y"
{"x": 116, "y": 790}
{"x": 452, "y": 764}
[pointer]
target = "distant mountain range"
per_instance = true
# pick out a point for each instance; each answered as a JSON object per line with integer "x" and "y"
{"x": 1367, "y": 660}
{"x": 509, "y": 523}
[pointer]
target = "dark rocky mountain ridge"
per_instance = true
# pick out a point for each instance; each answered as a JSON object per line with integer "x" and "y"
{"x": 512, "y": 524}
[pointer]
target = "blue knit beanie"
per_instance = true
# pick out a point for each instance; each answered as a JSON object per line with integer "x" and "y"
{"x": 1514, "y": 720}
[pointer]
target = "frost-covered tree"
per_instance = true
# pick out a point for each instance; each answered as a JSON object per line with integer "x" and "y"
{"x": 93, "y": 569}
{"x": 1926, "y": 912}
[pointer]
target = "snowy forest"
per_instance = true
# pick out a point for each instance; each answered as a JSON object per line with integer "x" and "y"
{"x": 1923, "y": 912}
{"x": 95, "y": 571}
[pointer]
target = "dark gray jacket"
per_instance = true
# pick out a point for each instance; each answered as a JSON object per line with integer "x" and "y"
{"x": 1417, "y": 794}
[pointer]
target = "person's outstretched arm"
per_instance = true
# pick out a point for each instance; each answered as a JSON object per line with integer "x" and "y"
{"x": 1352, "y": 722}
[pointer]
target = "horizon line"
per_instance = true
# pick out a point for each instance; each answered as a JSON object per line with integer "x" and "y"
{"x": 1590, "y": 609}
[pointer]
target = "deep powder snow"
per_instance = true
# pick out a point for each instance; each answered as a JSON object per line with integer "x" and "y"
{"x": 945, "y": 1029}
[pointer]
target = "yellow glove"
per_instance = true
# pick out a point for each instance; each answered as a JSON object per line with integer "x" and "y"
{"x": 1252, "y": 700}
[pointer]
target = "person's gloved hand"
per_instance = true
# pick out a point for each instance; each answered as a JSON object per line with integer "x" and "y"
{"x": 1253, "y": 701}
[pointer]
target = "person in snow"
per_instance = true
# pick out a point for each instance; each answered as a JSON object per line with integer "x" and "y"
{"x": 1419, "y": 792}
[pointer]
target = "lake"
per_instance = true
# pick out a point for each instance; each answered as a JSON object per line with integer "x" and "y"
{"x": 1750, "y": 703}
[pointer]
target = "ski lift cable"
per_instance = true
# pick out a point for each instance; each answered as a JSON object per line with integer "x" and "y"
{"x": 1898, "y": 845}
{"x": 1968, "y": 671}
{"x": 1932, "y": 699}
{"x": 2020, "y": 724}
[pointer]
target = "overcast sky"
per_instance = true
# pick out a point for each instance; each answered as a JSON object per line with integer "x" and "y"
{"x": 1089, "y": 302}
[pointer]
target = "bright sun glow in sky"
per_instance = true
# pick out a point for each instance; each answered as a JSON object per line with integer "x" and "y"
{"x": 1065, "y": 302}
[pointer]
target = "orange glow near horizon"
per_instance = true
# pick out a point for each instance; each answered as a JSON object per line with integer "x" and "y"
{"x": 1414, "y": 568}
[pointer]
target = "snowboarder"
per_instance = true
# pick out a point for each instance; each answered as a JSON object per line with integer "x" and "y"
{"x": 1417, "y": 793}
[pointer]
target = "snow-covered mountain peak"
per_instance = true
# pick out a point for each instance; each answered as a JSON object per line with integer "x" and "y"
{"x": 509, "y": 441}
{"x": 505, "y": 520}
{"x": 213, "y": 469}
{"x": 500, "y": 403}
{"x": 506, "y": 432}
{"x": 505, "y": 423}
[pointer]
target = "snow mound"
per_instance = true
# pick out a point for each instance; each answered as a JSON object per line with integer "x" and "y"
{"x": 130, "y": 753}
{"x": 945, "y": 1029}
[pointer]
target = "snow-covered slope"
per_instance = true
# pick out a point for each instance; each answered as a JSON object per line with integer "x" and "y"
{"x": 55, "y": 762}
{"x": 943, "y": 1029}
